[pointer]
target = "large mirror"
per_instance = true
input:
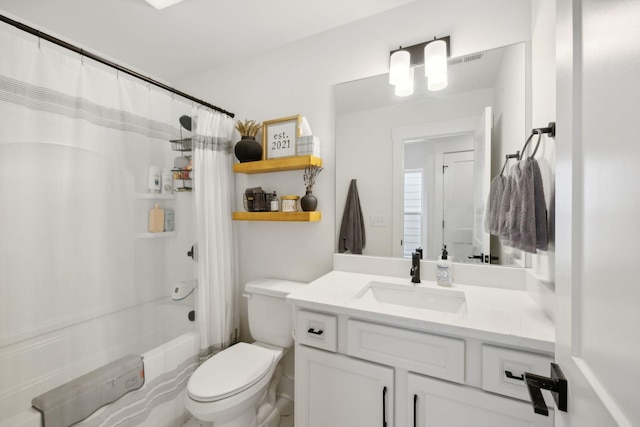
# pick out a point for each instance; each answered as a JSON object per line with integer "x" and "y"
{"x": 423, "y": 163}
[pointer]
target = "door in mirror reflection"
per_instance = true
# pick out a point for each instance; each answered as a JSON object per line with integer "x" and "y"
{"x": 445, "y": 180}
{"x": 457, "y": 204}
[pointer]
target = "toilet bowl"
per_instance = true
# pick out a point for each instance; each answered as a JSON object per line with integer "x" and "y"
{"x": 227, "y": 389}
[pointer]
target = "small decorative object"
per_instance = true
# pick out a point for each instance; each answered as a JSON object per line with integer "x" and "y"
{"x": 275, "y": 204}
{"x": 279, "y": 136}
{"x": 309, "y": 202}
{"x": 290, "y": 203}
{"x": 248, "y": 149}
{"x": 308, "y": 146}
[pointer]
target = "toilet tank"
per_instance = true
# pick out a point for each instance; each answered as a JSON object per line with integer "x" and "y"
{"x": 270, "y": 317}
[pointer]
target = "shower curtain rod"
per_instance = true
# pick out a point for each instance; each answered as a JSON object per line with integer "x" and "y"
{"x": 111, "y": 64}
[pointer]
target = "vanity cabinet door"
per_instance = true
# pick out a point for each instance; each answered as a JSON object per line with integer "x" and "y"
{"x": 437, "y": 403}
{"x": 333, "y": 390}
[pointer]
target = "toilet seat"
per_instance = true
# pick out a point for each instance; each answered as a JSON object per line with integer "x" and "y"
{"x": 230, "y": 372}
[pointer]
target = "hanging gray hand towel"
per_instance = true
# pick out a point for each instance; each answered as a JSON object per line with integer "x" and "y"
{"x": 492, "y": 212}
{"x": 540, "y": 206}
{"x": 505, "y": 214}
{"x": 352, "y": 235}
{"x": 526, "y": 224}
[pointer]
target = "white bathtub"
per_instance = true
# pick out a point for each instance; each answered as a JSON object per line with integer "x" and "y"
{"x": 160, "y": 331}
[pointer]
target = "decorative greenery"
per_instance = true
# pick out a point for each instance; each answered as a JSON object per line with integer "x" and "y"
{"x": 248, "y": 127}
{"x": 310, "y": 173}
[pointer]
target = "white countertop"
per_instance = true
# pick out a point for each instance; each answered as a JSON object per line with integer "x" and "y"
{"x": 501, "y": 316}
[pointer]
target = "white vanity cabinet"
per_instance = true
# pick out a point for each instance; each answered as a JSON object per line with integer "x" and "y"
{"x": 333, "y": 390}
{"x": 439, "y": 403}
{"x": 357, "y": 372}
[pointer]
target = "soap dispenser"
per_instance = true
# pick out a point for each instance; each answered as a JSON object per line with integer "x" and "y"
{"x": 444, "y": 270}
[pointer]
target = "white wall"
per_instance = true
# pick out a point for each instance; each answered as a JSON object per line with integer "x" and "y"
{"x": 543, "y": 111}
{"x": 300, "y": 78}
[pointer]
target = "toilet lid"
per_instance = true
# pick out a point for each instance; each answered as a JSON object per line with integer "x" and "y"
{"x": 230, "y": 372}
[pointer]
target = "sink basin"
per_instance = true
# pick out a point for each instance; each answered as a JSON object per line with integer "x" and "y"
{"x": 445, "y": 300}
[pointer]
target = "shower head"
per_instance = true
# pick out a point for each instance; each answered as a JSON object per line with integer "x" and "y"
{"x": 185, "y": 122}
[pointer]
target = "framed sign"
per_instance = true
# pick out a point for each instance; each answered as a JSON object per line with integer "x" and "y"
{"x": 279, "y": 137}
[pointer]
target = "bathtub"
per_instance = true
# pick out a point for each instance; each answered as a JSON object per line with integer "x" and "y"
{"x": 159, "y": 330}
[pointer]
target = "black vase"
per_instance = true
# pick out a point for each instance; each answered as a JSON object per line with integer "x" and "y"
{"x": 248, "y": 149}
{"x": 309, "y": 202}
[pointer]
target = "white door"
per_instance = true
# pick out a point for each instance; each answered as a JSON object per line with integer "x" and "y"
{"x": 337, "y": 391}
{"x": 457, "y": 209}
{"x": 434, "y": 403}
{"x": 482, "y": 182}
{"x": 598, "y": 211}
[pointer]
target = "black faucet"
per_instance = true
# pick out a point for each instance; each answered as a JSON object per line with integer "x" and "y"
{"x": 415, "y": 267}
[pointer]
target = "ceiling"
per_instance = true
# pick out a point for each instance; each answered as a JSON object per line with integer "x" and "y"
{"x": 192, "y": 36}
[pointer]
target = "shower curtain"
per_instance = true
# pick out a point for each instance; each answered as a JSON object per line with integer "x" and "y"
{"x": 217, "y": 312}
{"x": 76, "y": 142}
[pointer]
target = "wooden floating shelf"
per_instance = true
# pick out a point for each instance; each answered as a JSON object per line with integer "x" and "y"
{"x": 277, "y": 216}
{"x": 277, "y": 165}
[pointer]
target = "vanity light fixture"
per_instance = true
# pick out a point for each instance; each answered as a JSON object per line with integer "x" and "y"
{"x": 433, "y": 54}
{"x": 399, "y": 66}
{"x": 435, "y": 64}
{"x": 161, "y": 4}
{"x": 405, "y": 87}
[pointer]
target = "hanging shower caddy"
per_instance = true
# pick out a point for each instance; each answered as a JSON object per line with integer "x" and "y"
{"x": 182, "y": 171}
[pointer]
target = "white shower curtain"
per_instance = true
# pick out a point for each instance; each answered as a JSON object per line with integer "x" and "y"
{"x": 76, "y": 264}
{"x": 216, "y": 313}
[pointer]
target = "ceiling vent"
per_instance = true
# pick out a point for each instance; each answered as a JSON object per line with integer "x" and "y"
{"x": 464, "y": 59}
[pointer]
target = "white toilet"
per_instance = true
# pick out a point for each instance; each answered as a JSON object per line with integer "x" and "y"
{"x": 227, "y": 389}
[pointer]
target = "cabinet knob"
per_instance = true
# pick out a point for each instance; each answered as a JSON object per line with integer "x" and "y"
{"x": 313, "y": 331}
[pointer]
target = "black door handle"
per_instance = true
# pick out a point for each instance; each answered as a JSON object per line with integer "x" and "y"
{"x": 513, "y": 377}
{"x": 415, "y": 410}
{"x": 557, "y": 384}
{"x": 313, "y": 331}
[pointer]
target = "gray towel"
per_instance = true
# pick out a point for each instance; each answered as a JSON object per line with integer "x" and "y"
{"x": 352, "y": 236}
{"x": 523, "y": 213}
{"x": 504, "y": 214}
{"x": 494, "y": 201}
{"x": 542, "y": 226}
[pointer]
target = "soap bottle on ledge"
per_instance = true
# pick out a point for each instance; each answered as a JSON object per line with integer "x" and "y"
{"x": 444, "y": 275}
{"x": 156, "y": 219}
